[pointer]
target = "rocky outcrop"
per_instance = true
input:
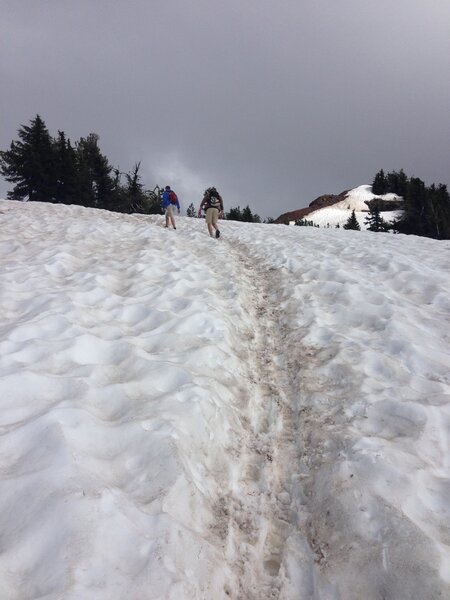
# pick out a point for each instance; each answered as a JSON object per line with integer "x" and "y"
{"x": 328, "y": 200}
{"x": 301, "y": 213}
{"x": 386, "y": 205}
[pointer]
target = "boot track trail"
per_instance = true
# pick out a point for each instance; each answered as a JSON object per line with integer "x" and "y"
{"x": 266, "y": 506}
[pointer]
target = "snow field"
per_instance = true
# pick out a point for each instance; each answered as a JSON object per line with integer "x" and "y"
{"x": 265, "y": 415}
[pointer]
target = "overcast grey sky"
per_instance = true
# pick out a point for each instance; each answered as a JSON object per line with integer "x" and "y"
{"x": 274, "y": 102}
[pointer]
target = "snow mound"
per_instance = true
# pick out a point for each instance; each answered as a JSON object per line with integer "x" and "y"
{"x": 356, "y": 199}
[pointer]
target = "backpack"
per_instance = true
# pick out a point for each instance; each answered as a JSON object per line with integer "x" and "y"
{"x": 173, "y": 198}
{"x": 213, "y": 198}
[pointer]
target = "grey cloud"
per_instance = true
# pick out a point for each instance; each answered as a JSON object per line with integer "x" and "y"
{"x": 273, "y": 102}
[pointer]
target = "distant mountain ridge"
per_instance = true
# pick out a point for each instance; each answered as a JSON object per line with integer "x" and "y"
{"x": 337, "y": 207}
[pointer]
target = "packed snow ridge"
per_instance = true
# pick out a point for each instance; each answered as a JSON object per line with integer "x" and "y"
{"x": 262, "y": 416}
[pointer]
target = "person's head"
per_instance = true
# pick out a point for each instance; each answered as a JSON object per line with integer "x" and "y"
{"x": 167, "y": 188}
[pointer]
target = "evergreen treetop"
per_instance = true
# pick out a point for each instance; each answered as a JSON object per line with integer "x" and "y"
{"x": 246, "y": 215}
{"x": 352, "y": 222}
{"x": 29, "y": 164}
{"x": 375, "y": 221}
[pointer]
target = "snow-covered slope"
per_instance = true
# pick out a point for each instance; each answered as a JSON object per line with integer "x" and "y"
{"x": 266, "y": 415}
{"x": 355, "y": 200}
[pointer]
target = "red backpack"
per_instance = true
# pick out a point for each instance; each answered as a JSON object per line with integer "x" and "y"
{"x": 173, "y": 198}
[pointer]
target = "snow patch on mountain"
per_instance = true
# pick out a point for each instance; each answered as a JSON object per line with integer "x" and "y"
{"x": 356, "y": 199}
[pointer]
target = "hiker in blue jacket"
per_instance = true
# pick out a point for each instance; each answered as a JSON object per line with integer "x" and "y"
{"x": 170, "y": 202}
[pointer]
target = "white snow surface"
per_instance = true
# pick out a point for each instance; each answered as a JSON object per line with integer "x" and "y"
{"x": 338, "y": 214}
{"x": 266, "y": 415}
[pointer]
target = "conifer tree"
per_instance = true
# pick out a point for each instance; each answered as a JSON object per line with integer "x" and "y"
{"x": 439, "y": 220}
{"x": 98, "y": 186}
{"x": 247, "y": 215}
{"x": 379, "y": 183}
{"x": 134, "y": 192}
{"x": 352, "y": 222}
{"x": 191, "y": 212}
{"x": 66, "y": 170}
{"x": 234, "y": 214}
{"x": 30, "y": 165}
{"x": 86, "y": 196}
{"x": 402, "y": 183}
{"x": 153, "y": 202}
{"x": 374, "y": 220}
{"x": 396, "y": 183}
{"x": 427, "y": 211}
{"x": 412, "y": 221}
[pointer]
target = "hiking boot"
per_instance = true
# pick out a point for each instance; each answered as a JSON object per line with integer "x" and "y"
{"x": 217, "y": 234}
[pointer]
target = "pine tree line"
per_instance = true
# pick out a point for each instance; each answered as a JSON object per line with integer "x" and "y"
{"x": 426, "y": 208}
{"x": 235, "y": 214}
{"x": 245, "y": 215}
{"x": 47, "y": 169}
{"x": 305, "y": 223}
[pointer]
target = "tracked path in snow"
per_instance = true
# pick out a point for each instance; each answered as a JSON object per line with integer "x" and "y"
{"x": 295, "y": 518}
{"x": 265, "y": 517}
